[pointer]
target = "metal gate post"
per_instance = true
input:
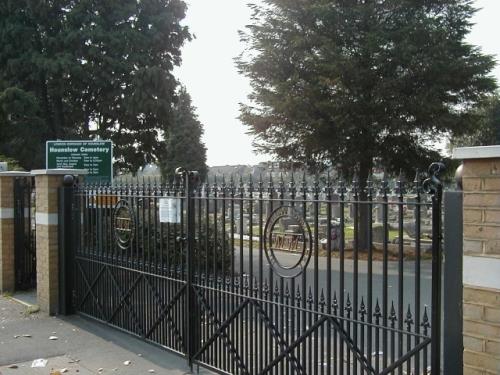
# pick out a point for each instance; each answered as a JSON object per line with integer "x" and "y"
{"x": 66, "y": 246}
{"x": 434, "y": 186}
{"x": 193, "y": 322}
{"x": 453, "y": 268}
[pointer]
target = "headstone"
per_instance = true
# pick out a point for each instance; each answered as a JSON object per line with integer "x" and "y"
{"x": 335, "y": 206}
{"x": 378, "y": 233}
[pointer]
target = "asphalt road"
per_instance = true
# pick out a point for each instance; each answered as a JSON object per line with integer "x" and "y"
{"x": 408, "y": 285}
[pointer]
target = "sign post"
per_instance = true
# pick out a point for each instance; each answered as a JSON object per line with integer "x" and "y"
{"x": 94, "y": 156}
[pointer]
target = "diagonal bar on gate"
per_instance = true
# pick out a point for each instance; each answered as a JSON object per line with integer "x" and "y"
{"x": 406, "y": 357}
{"x": 220, "y": 330}
{"x": 90, "y": 288}
{"x": 350, "y": 344}
{"x": 165, "y": 311}
{"x": 281, "y": 341}
{"x": 363, "y": 361}
{"x": 123, "y": 301}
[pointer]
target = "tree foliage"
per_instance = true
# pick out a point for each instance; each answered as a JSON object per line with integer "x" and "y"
{"x": 183, "y": 146}
{"x": 68, "y": 65}
{"x": 488, "y": 130}
{"x": 353, "y": 82}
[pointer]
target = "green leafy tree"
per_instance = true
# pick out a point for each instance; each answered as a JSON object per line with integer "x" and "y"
{"x": 70, "y": 66}
{"x": 346, "y": 82}
{"x": 487, "y": 131}
{"x": 351, "y": 83}
{"x": 183, "y": 146}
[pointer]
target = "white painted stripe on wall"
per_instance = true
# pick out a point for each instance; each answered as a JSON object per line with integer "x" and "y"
{"x": 482, "y": 272}
{"x": 46, "y": 219}
{"x": 6, "y": 213}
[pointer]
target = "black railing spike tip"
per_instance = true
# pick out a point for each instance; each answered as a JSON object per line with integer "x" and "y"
{"x": 409, "y": 317}
{"x": 377, "y": 312}
{"x": 425, "y": 319}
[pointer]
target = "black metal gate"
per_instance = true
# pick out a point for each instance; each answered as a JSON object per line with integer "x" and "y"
{"x": 302, "y": 276}
{"x": 24, "y": 234}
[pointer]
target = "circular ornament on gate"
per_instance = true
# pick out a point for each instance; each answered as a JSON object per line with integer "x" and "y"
{"x": 123, "y": 224}
{"x": 287, "y": 241}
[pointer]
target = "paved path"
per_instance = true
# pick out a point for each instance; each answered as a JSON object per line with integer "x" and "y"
{"x": 82, "y": 347}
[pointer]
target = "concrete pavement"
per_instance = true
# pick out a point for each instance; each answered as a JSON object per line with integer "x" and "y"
{"x": 82, "y": 347}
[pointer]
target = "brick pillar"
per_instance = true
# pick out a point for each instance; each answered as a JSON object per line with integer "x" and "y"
{"x": 47, "y": 183}
{"x": 7, "y": 269}
{"x": 481, "y": 278}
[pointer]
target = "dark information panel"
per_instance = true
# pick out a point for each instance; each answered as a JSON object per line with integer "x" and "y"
{"x": 94, "y": 156}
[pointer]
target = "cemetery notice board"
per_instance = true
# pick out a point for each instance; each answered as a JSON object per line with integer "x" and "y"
{"x": 94, "y": 156}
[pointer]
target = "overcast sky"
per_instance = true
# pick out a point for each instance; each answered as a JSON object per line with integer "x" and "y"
{"x": 209, "y": 73}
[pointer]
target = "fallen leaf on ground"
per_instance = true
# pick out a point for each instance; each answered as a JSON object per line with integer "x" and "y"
{"x": 53, "y": 338}
{"x": 127, "y": 363}
{"x": 12, "y": 366}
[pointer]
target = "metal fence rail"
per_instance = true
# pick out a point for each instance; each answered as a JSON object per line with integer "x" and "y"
{"x": 253, "y": 276}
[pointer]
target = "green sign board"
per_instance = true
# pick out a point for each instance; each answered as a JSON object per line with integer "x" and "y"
{"x": 94, "y": 156}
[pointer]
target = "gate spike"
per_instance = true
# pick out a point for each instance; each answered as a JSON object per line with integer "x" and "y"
{"x": 261, "y": 184}
{"x": 215, "y": 188}
{"x": 335, "y": 303}
{"x": 281, "y": 185}
{"x": 298, "y": 297}
{"x": 270, "y": 185}
{"x": 276, "y": 289}
{"x": 400, "y": 186}
{"x": 355, "y": 185}
{"x": 392, "y": 315}
{"x": 231, "y": 185}
{"x": 223, "y": 188}
{"x": 409, "y": 318}
{"x": 362, "y": 309}
{"x": 377, "y": 314}
{"x": 303, "y": 187}
{"x": 310, "y": 297}
{"x": 348, "y": 306}
{"x": 425, "y": 320}
{"x": 384, "y": 186}
{"x": 369, "y": 186}
{"x": 250, "y": 184}
{"x": 316, "y": 186}
{"x": 322, "y": 301}
{"x": 291, "y": 185}
{"x": 287, "y": 291}
{"x": 342, "y": 188}
{"x": 327, "y": 189}
{"x": 265, "y": 289}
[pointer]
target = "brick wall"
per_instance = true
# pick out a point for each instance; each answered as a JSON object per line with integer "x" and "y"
{"x": 481, "y": 231}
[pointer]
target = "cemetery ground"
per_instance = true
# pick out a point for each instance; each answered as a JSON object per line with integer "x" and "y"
{"x": 74, "y": 345}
